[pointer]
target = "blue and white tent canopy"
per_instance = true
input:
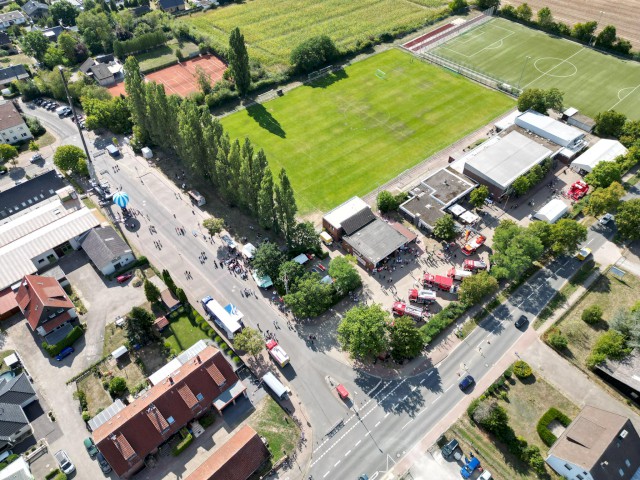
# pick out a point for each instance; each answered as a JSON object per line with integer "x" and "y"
{"x": 121, "y": 199}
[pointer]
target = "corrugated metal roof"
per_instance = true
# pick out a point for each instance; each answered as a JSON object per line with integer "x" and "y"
{"x": 16, "y": 256}
{"x": 106, "y": 414}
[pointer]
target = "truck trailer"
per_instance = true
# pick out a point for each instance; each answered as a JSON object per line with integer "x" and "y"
{"x": 401, "y": 309}
{"x": 437, "y": 281}
{"x": 422, "y": 296}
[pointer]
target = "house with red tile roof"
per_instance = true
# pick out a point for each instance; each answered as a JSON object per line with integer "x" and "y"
{"x": 44, "y": 303}
{"x": 205, "y": 381}
{"x": 239, "y": 458}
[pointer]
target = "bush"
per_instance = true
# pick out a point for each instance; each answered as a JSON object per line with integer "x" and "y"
{"x": 117, "y": 386}
{"x": 67, "y": 341}
{"x": 543, "y": 425}
{"x": 473, "y": 406}
{"x": 82, "y": 398}
{"x": 217, "y": 339}
{"x": 85, "y": 416}
{"x": 207, "y": 420}
{"x": 184, "y": 443}
{"x": 556, "y": 340}
{"x": 313, "y": 53}
{"x": 522, "y": 370}
{"x": 54, "y": 474}
{"x": 442, "y": 320}
{"x": 592, "y": 314}
{"x": 236, "y": 359}
{"x": 508, "y": 372}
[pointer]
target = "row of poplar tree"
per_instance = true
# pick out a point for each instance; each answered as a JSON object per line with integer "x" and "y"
{"x": 240, "y": 175}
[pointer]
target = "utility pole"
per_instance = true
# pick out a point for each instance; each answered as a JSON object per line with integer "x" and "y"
{"x": 526, "y": 60}
{"x": 92, "y": 173}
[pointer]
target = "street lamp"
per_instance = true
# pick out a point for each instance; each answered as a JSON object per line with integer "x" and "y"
{"x": 526, "y": 60}
{"x": 92, "y": 173}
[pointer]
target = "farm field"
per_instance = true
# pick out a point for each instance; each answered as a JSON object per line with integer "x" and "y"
{"x": 351, "y": 131}
{"x": 523, "y": 57}
{"x": 272, "y": 28}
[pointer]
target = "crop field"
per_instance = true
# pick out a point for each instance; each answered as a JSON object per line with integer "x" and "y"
{"x": 351, "y": 131}
{"x": 272, "y": 28}
{"x": 523, "y": 57}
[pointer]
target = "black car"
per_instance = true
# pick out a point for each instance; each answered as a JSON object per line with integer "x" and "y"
{"x": 104, "y": 465}
{"x": 522, "y": 321}
{"x": 449, "y": 448}
{"x": 466, "y": 382}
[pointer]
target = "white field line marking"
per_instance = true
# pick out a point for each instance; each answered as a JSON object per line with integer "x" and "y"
{"x": 553, "y": 68}
{"x": 624, "y": 98}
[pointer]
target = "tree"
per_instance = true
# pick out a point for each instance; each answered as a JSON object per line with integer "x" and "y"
{"x": 444, "y": 228}
{"x": 266, "y": 210}
{"x": 289, "y": 274}
{"x": 524, "y": 12}
{"x": 607, "y": 37}
{"x": 554, "y": 99}
{"x": 566, "y": 234}
{"x": 139, "y": 326}
{"x": 168, "y": 281}
{"x": 405, "y": 339}
{"x": 592, "y": 314}
{"x": 267, "y": 259}
{"x": 135, "y": 88}
{"x": 117, "y": 386}
{"x": 70, "y": 158}
{"x": 313, "y": 53}
{"x": 286, "y": 207}
{"x": 344, "y": 274}
{"x": 53, "y": 57}
{"x": 630, "y": 133}
{"x": 95, "y": 28}
{"x": 35, "y": 44}
{"x": 386, "y": 202}
{"x": 610, "y": 123}
{"x": 457, "y": 6}
{"x": 249, "y": 340}
{"x": 545, "y": 18}
{"x": 304, "y": 238}
{"x": 239, "y": 62}
{"x": 557, "y": 340}
{"x": 7, "y": 152}
{"x": 476, "y": 288}
{"x": 521, "y": 185}
{"x": 486, "y": 4}
{"x": 521, "y": 369}
{"x": 204, "y": 80}
{"x": 584, "y": 31}
{"x": 363, "y": 331}
{"x": 151, "y": 292}
{"x": 479, "y": 196}
{"x": 628, "y": 324}
{"x": 112, "y": 114}
{"x": 73, "y": 49}
{"x": 64, "y": 12}
{"x": 604, "y": 174}
{"x": 628, "y": 219}
{"x": 540, "y": 100}
{"x": 513, "y": 258}
{"x": 604, "y": 200}
{"x": 492, "y": 417}
{"x": 312, "y": 298}
{"x": 542, "y": 230}
{"x": 623, "y": 46}
{"x": 611, "y": 344}
{"x": 213, "y": 225}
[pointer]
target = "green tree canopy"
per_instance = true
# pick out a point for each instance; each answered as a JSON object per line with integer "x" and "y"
{"x": 151, "y": 292}
{"x": 604, "y": 200}
{"x": 405, "y": 340}
{"x": 545, "y": 18}
{"x": 342, "y": 269}
{"x": 304, "y": 238}
{"x": 610, "y": 123}
{"x": 139, "y": 326}
{"x": 213, "y": 225}
{"x": 289, "y": 274}
{"x": 117, "y": 386}
{"x": 7, "y": 152}
{"x": 607, "y": 37}
{"x": 313, "y": 53}
{"x": 457, "y": 6}
{"x": 249, "y": 340}
{"x": 35, "y": 44}
{"x": 566, "y": 235}
{"x": 70, "y": 158}
{"x": 477, "y": 288}
{"x": 486, "y": 4}
{"x": 312, "y": 297}
{"x": 512, "y": 258}
{"x": 444, "y": 228}
{"x": 604, "y": 174}
{"x": 64, "y": 12}
{"x": 363, "y": 331}
{"x": 584, "y": 31}
{"x": 540, "y": 100}
{"x": 267, "y": 259}
{"x": 628, "y": 219}
{"x": 478, "y": 196}
{"x": 524, "y": 12}
{"x": 239, "y": 61}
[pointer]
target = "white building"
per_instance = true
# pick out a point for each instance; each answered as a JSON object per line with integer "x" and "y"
{"x": 553, "y": 130}
{"x": 12, "y": 18}
{"x": 107, "y": 250}
{"x": 552, "y": 211}
{"x": 12, "y": 126}
{"x": 603, "y": 151}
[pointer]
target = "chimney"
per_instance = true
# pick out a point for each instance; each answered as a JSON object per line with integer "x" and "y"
{"x": 170, "y": 381}
{"x": 198, "y": 359}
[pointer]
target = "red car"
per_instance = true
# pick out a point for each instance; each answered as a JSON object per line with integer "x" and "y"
{"x": 124, "y": 278}
{"x": 322, "y": 267}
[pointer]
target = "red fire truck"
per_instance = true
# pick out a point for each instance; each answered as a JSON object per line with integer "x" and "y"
{"x": 458, "y": 274}
{"x": 422, "y": 296}
{"x": 578, "y": 190}
{"x": 437, "y": 281}
{"x": 473, "y": 244}
{"x": 277, "y": 353}
{"x": 474, "y": 265}
{"x": 400, "y": 309}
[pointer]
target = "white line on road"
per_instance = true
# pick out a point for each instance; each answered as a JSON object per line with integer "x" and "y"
{"x": 404, "y": 398}
{"x": 406, "y": 424}
{"x": 376, "y": 425}
{"x": 358, "y": 443}
{"x": 388, "y": 413}
{"x": 325, "y": 474}
{"x": 347, "y": 453}
{"x": 336, "y": 464}
{"x": 437, "y": 398}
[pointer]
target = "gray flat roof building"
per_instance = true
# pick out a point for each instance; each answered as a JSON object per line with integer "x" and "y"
{"x": 375, "y": 241}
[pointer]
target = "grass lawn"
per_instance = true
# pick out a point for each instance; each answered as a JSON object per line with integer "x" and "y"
{"x": 164, "y": 55}
{"x": 269, "y": 421}
{"x": 352, "y": 131}
{"x": 182, "y": 333}
{"x": 114, "y": 337}
{"x": 97, "y": 397}
{"x": 273, "y": 28}
{"x": 45, "y": 140}
{"x": 4, "y": 354}
{"x": 591, "y": 81}
{"x": 611, "y": 294}
{"x": 528, "y": 401}
{"x": 18, "y": 59}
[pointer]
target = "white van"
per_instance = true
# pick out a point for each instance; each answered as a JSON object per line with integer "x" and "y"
{"x": 4, "y": 455}
{"x": 278, "y": 389}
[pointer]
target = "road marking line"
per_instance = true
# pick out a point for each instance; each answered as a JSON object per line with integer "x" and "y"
{"x": 347, "y": 453}
{"x": 438, "y": 398}
{"x": 358, "y": 443}
{"x": 325, "y": 474}
{"x": 376, "y": 425}
{"x": 406, "y": 424}
{"x": 388, "y": 413}
{"x": 336, "y": 464}
{"x": 430, "y": 373}
{"x": 404, "y": 398}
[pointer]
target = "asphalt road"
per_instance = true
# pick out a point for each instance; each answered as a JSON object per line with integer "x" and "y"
{"x": 386, "y": 418}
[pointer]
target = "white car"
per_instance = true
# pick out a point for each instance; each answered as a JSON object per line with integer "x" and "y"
{"x": 486, "y": 475}
{"x": 64, "y": 462}
{"x": 606, "y": 219}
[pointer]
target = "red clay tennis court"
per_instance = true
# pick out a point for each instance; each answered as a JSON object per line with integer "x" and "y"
{"x": 180, "y": 79}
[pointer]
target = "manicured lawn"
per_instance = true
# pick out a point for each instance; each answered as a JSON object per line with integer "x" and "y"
{"x": 591, "y": 81}
{"x": 164, "y": 55}
{"x": 527, "y": 402}
{"x": 269, "y": 421}
{"x": 273, "y": 28}
{"x": 352, "y": 131}
{"x": 182, "y": 333}
{"x": 611, "y": 294}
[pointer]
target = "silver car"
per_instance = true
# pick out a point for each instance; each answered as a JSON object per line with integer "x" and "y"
{"x": 64, "y": 462}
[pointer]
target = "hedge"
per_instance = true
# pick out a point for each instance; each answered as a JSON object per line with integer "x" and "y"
{"x": 55, "y": 475}
{"x": 184, "y": 443}
{"x": 145, "y": 41}
{"x": 543, "y": 425}
{"x": 67, "y": 341}
{"x": 442, "y": 320}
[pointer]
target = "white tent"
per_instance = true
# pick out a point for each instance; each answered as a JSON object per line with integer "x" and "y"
{"x": 301, "y": 259}
{"x": 118, "y": 352}
{"x": 249, "y": 250}
{"x": 603, "y": 151}
{"x": 457, "y": 210}
{"x": 552, "y": 211}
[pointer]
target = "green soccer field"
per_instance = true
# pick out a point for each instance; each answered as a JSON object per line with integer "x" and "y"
{"x": 591, "y": 81}
{"x": 352, "y": 131}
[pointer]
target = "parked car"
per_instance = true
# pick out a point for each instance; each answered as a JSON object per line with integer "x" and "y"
{"x": 606, "y": 219}
{"x": 522, "y": 321}
{"x": 92, "y": 450}
{"x": 104, "y": 465}
{"x": 64, "y": 462}
{"x": 124, "y": 278}
{"x": 64, "y": 353}
{"x": 6, "y": 454}
{"x": 449, "y": 448}
{"x": 466, "y": 382}
{"x": 36, "y": 158}
{"x": 485, "y": 475}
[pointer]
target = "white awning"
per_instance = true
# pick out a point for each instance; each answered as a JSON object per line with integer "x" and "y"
{"x": 457, "y": 210}
{"x": 249, "y": 250}
{"x": 301, "y": 259}
{"x": 469, "y": 217}
{"x": 118, "y": 352}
